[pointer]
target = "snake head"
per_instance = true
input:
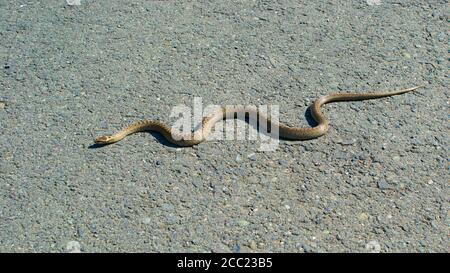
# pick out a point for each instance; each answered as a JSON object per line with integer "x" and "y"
{"x": 103, "y": 140}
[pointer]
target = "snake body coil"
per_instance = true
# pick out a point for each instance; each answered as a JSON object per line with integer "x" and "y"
{"x": 285, "y": 132}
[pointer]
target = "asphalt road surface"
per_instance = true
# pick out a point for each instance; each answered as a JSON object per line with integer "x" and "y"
{"x": 377, "y": 182}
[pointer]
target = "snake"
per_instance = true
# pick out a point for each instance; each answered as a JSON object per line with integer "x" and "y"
{"x": 284, "y": 131}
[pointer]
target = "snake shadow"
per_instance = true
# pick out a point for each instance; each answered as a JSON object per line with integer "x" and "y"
{"x": 307, "y": 115}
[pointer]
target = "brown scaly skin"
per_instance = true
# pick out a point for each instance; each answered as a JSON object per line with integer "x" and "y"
{"x": 286, "y": 132}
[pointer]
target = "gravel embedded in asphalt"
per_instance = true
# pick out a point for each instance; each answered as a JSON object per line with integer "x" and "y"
{"x": 377, "y": 182}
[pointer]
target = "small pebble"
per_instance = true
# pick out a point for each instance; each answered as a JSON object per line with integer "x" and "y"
{"x": 383, "y": 185}
{"x": 307, "y": 248}
{"x": 363, "y": 216}
{"x": 243, "y": 223}
{"x": 434, "y": 224}
{"x": 282, "y": 162}
{"x": 392, "y": 178}
{"x": 236, "y": 248}
{"x": 253, "y": 245}
{"x": 73, "y": 247}
{"x": 81, "y": 232}
{"x": 441, "y": 36}
{"x": 197, "y": 183}
{"x": 373, "y": 247}
{"x": 93, "y": 229}
{"x": 238, "y": 158}
{"x": 373, "y": 2}
{"x": 73, "y": 2}
{"x": 346, "y": 141}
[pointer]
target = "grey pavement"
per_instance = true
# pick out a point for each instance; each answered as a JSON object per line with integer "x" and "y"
{"x": 377, "y": 182}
